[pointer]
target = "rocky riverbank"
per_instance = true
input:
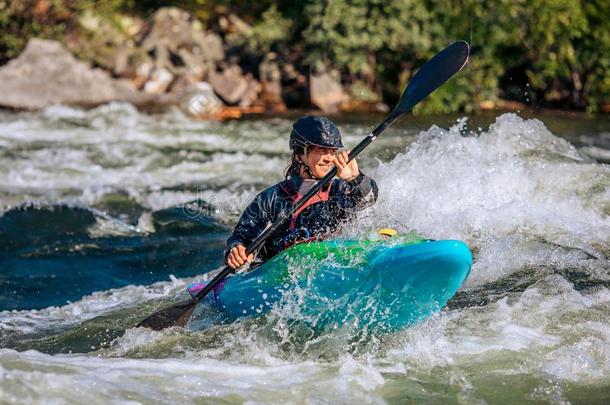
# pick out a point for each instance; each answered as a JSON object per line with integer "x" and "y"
{"x": 168, "y": 60}
{"x": 220, "y": 59}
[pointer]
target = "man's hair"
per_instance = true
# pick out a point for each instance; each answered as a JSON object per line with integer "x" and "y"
{"x": 295, "y": 166}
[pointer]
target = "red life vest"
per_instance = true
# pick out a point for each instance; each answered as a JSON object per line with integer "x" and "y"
{"x": 322, "y": 195}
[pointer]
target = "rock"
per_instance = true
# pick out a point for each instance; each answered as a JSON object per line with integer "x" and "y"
{"x": 159, "y": 82}
{"x": 169, "y": 27}
{"x": 271, "y": 77}
{"x": 121, "y": 61}
{"x": 176, "y": 39}
{"x": 250, "y": 96}
{"x": 210, "y": 47}
{"x": 326, "y": 91}
{"x": 128, "y": 60}
{"x": 230, "y": 84}
{"x": 194, "y": 65}
{"x": 46, "y": 74}
{"x": 201, "y": 102}
{"x": 143, "y": 72}
{"x": 183, "y": 84}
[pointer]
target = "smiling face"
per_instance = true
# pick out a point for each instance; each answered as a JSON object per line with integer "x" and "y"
{"x": 320, "y": 160}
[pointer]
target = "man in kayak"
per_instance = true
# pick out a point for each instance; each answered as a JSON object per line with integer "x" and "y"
{"x": 315, "y": 143}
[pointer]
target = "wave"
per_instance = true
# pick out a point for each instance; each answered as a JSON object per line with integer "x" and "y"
{"x": 57, "y": 253}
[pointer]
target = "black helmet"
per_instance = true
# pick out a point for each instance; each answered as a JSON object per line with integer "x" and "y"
{"x": 314, "y": 130}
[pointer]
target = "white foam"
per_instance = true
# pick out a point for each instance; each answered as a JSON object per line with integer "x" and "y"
{"x": 66, "y": 153}
{"x": 31, "y": 376}
{"x": 532, "y": 326}
{"x": 586, "y": 359}
{"x": 88, "y": 307}
{"x": 515, "y": 178}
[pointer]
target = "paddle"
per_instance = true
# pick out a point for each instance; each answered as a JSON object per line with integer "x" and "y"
{"x": 433, "y": 74}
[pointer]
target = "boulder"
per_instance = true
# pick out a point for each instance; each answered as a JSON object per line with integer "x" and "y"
{"x": 196, "y": 98}
{"x": 250, "y": 96}
{"x": 230, "y": 84}
{"x": 326, "y": 91}
{"x": 200, "y": 101}
{"x": 171, "y": 27}
{"x": 178, "y": 40}
{"x": 46, "y": 74}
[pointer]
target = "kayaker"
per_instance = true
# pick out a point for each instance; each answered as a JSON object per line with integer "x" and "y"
{"x": 315, "y": 143}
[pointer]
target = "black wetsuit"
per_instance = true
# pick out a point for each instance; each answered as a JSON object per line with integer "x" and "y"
{"x": 336, "y": 204}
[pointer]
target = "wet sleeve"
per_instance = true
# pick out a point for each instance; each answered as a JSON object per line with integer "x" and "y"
{"x": 252, "y": 222}
{"x": 359, "y": 193}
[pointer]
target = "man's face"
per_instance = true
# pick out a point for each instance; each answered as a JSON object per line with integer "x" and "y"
{"x": 320, "y": 160}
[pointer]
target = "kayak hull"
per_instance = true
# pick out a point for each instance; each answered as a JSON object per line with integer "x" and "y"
{"x": 383, "y": 284}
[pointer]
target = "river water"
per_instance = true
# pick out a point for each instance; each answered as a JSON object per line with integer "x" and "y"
{"x": 94, "y": 236}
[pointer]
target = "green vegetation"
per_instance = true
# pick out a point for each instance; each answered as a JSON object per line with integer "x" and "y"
{"x": 21, "y": 20}
{"x": 552, "y": 53}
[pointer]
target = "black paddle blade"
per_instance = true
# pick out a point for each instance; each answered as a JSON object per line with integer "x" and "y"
{"x": 175, "y": 315}
{"x": 433, "y": 74}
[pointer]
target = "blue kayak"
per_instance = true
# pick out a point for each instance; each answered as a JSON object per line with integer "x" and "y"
{"x": 385, "y": 284}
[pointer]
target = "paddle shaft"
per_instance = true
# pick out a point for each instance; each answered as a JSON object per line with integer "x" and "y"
{"x": 283, "y": 217}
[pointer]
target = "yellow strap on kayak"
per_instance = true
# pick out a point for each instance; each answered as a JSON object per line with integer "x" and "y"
{"x": 387, "y": 232}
